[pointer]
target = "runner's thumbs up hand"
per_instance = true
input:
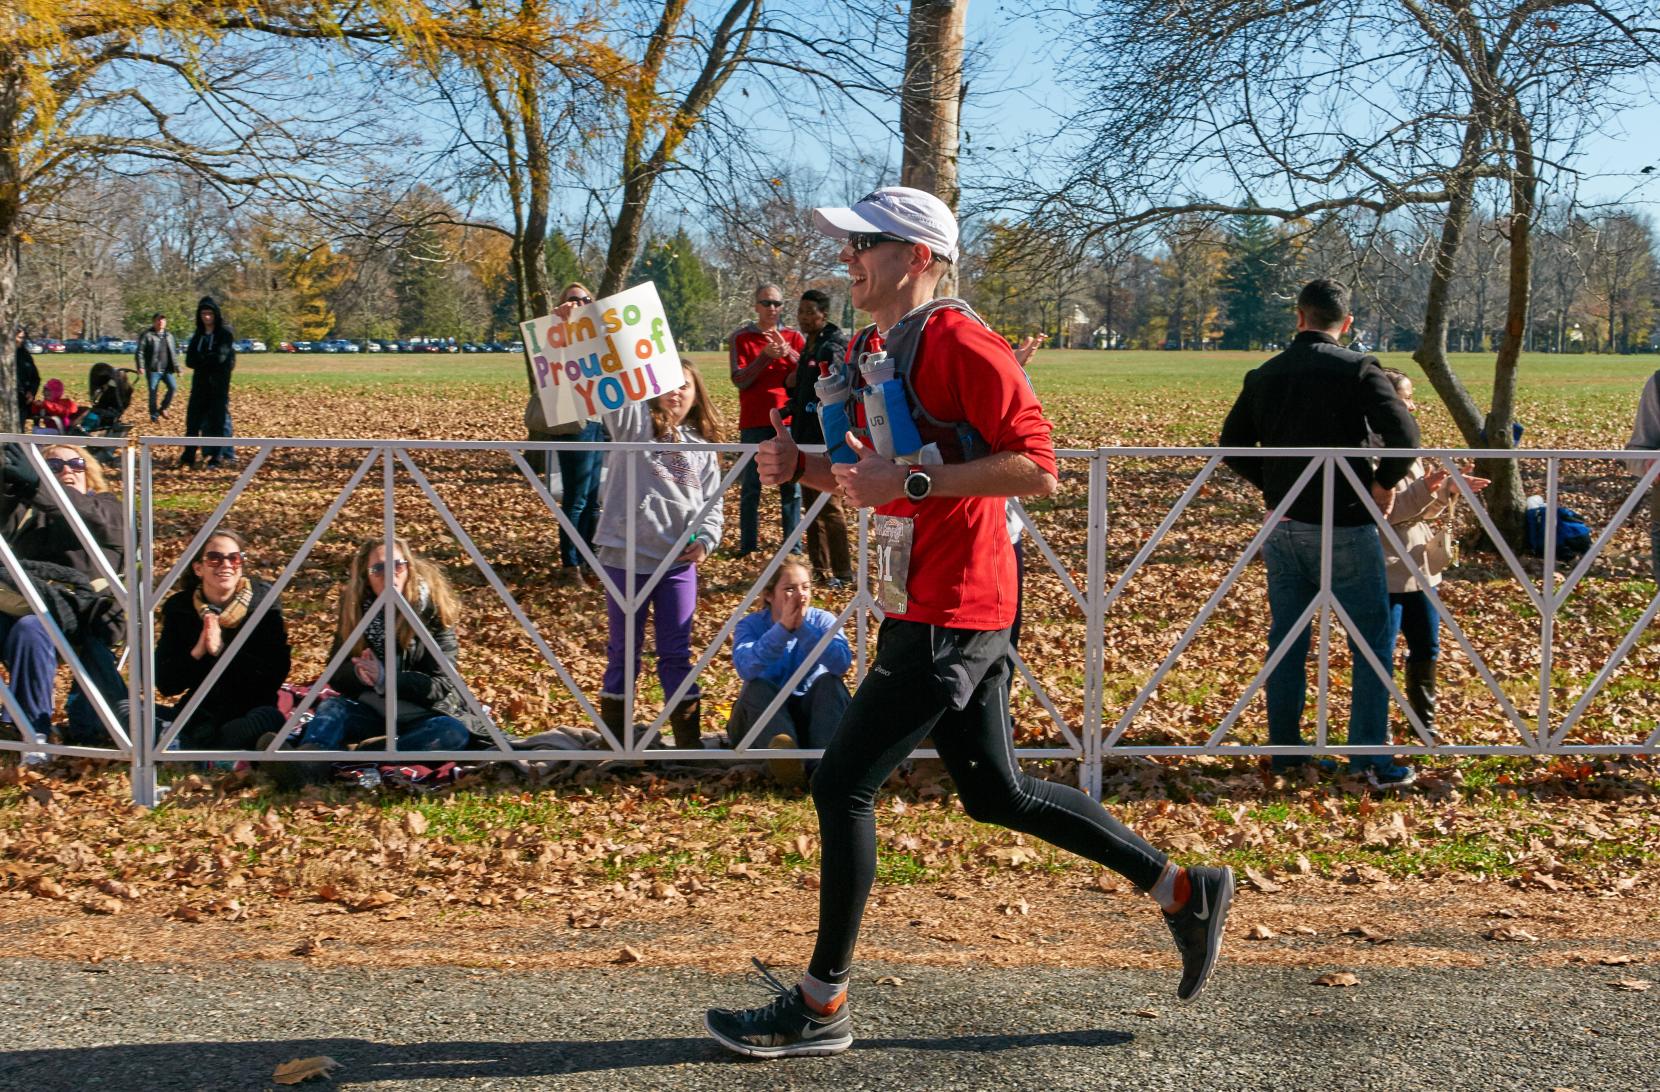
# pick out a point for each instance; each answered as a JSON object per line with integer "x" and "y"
{"x": 872, "y": 481}
{"x": 776, "y": 458}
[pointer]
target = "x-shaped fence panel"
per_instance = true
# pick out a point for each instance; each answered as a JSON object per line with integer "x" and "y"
{"x": 1145, "y": 613}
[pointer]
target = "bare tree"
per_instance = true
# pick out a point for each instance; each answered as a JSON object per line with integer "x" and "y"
{"x": 1307, "y": 109}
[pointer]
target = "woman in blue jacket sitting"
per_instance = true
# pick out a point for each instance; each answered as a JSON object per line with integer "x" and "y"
{"x": 767, "y": 648}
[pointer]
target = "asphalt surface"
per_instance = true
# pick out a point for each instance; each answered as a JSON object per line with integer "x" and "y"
{"x": 140, "y": 1027}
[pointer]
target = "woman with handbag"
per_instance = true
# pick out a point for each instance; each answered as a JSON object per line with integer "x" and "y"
{"x": 429, "y": 707}
{"x": 1421, "y": 498}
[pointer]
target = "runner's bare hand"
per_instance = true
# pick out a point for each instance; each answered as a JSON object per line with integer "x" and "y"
{"x": 872, "y": 481}
{"x": 776, "y": 345}
{"x": 776, "y": 458}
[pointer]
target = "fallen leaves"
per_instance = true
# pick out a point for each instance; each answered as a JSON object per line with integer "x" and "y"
{"x": 1340, "y": 979}
{"x": 630, "y": 954}
{"x": 1262, "y": 883}
{"x": 1260, "y": 932}
{"x": 1514, "y": 933}
{"x": 304, "y": 1069}
{"x": 890, "y": 980}
{"x": 1369, "y": 933}
{"x": 1632, "y": 985}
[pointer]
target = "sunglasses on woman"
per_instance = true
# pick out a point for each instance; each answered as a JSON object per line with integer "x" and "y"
{"x": 56, "y": 466}
{"x": 769, "y": 303}
{"x": 583, "y": 300}
{"x": 215, "y": 557}
{"x": 379, "y": 567}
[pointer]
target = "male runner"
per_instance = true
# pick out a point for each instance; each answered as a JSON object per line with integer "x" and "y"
{"x": 941, "y": 667}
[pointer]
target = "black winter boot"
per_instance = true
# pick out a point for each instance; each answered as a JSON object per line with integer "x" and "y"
{"x": 1420, "y": 692}
{"x": 611, "y": 712}
{"x": 687, "y": 721}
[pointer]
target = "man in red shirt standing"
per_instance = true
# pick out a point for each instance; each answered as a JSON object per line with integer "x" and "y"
{"x": 763, "y": 355}
{"x": 948, "y": 592}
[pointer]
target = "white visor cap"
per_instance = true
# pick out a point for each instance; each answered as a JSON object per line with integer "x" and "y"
{"x": 913, "y": 215}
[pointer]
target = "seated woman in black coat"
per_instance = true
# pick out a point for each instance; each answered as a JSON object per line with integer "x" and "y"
{"x": 198, "y": 623}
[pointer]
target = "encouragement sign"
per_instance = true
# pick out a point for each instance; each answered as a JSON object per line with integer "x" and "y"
{"x": 613, "y": 351}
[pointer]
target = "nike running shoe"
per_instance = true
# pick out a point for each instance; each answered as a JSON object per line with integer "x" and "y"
{"x": 1197, "y": 926}
{"x": 784, "y": 1027}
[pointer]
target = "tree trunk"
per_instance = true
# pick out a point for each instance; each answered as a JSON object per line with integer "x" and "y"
{"x": 930, "y": 104}
{"x": 11, "y": 238}
{"x": 1505, "y": 500}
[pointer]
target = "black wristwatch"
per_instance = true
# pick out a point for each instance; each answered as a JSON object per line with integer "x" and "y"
{"x": 918, "y": 484}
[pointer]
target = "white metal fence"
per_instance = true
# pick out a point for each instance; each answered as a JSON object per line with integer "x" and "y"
{"x": 1133, "y": 609}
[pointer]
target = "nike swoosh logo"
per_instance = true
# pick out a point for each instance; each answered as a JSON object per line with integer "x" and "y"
{"x": 1203, "y": 913}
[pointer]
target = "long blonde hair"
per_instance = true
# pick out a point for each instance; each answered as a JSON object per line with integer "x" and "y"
{"x": 703, "y": 417}
{"x": 357, "y": 594}
{"x": 95, "y": 480}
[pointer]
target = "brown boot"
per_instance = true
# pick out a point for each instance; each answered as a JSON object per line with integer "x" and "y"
{"x": 687, "y": 722}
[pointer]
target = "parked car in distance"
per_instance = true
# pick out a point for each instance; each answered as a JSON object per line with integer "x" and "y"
{"x": 249, "y": 345}
{"x": 79, "y": 345}
{"x": 53, "y": 345}
{"x": 515, "y": 346}
{"x": 303, "y": 347}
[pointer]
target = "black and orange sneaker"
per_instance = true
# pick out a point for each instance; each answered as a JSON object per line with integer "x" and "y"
{"x": 1197, "y": 926}
{"x": 783, "y": 1028}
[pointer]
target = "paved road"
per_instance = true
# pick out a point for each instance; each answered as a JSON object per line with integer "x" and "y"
{"x": 134, "y": 1027}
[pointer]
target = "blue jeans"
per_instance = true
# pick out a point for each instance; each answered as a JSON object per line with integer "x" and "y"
{"x": 749, "y": 497}
{"x": 341, "y": 720}
{"x": 1292, "y": 556}
{"x": 32, "y": 659}
{"x": 579, "y": 485}
{"x": 155, "y": 380}
{"x": 1413, "y": 616}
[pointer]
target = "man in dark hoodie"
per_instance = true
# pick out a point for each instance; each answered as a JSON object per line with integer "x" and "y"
{"x": 28, "y": 376}
{"x": 211, "y": 355}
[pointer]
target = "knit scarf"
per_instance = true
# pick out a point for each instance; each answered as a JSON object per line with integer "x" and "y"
{"x": 233, "y": 612}
{"x": 374, "y": 635}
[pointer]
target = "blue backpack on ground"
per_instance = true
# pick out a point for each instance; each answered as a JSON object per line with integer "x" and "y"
{"x": 1573, "y": 535}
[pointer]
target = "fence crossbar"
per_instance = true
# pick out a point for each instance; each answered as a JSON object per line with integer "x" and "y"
{"x": 1156, "y": 539}
{"x": 210, "y": 525}
{"x": 1252, "y": 548}
{"x": 1446, "y": 616}
{"x": 496, "y": 583}
{"x": 83, "y": 534}
{"x": 787, "y": 688}
{"x": 1615, "y": 522}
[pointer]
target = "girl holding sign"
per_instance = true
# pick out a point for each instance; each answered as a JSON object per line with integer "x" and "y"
{"x": 674, "y": 497}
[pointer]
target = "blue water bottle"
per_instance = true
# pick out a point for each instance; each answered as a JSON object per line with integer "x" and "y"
{"x": 833, "y": 391}
{"x": 887, "y": 412}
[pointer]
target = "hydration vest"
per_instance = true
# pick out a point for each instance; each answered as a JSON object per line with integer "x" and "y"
{"x": 957, "y": 441}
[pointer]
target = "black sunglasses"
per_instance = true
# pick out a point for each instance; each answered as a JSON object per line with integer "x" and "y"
{"x": 214, "y": 557}
{"x": 379, "y": 567}
{"x": 583, "y": 300}
{"x": 864, "y": 240}
{"x": 56, "y": 465}
{"x": 769, "y": 303}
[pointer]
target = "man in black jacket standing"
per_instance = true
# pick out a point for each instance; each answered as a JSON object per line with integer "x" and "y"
{"x": 157, "y": 357}
{"x": 1319, "y": 394}
{"x": 211, "y": 355}
{"x": 827, "y": 546}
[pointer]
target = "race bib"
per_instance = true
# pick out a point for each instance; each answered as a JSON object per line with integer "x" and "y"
{"x": 890, "y": 541}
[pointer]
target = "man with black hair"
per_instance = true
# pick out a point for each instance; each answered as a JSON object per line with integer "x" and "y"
{"x": 1318, "y": 394}
{"x": 157, "y": 358}
{"x": 827, "y": 546}
{"x": 28, "y": 375}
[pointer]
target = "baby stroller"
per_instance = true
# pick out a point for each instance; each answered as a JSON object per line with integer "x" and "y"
{"x": 111, "y": 393}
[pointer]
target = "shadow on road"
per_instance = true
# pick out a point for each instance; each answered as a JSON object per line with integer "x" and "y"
{"x": 198, "y": 1065}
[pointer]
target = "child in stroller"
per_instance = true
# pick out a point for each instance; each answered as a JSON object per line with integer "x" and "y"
{"x": 112, "y": 393}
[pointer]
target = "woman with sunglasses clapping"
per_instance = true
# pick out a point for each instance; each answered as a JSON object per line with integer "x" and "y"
{"x": 40, "y": 529}
{"x": 429, "y": 707}
{"x": 216, "y": 598}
